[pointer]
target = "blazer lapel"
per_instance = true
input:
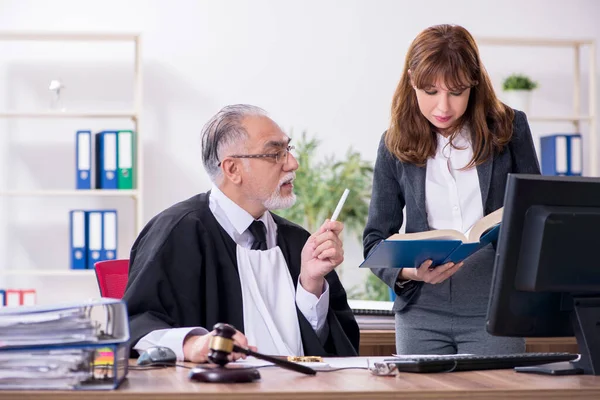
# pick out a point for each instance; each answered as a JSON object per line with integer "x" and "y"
{"x": 484, "y": 172}
{"x": 415, "y": 178}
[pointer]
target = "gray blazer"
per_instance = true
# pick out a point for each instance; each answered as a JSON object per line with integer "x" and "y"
{"x": 397, "y": 184}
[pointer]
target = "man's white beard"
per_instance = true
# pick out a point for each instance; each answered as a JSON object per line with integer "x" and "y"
{"x": 276, "y": 201}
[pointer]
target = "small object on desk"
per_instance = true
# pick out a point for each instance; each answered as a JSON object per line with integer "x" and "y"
{"x": 157, "y": 356}
{"x": 305, "y": 359}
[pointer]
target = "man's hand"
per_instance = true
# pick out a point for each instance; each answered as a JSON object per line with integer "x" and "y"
{"x": 426, "y": 273}
{"x": 322, "y": 252}
{"x": 195, "y": 348}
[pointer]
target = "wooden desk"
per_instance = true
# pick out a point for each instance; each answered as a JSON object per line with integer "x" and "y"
{"x": 383, "y": 343}
{"x": 277, "y": 383}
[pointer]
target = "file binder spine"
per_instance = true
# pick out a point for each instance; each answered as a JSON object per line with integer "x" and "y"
{"x": 576, "y": 153}
{"x": 28, "y": 297}
{"x": 83, "y": 156}
{"x": 125, "y": 151}
{"x": 94, "y": 237}
{"x": 78, "y": 239}
{"x": 13, "y": 298}
{"x": 562, "y": 154}
{"x": 109, "y": 241}
{"x": 2, "y": 298}
{"x": 106, "y": 160}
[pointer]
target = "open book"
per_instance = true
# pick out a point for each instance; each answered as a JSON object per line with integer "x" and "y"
{"x": 410, "y": 250}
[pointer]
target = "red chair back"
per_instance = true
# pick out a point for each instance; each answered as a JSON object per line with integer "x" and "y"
{"x": 112, "y": 277}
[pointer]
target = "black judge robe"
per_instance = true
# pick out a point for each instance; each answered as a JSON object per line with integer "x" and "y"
{"x": 183, "y": 273}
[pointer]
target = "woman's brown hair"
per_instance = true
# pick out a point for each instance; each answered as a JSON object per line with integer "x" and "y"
{"x": 446, "y": 52}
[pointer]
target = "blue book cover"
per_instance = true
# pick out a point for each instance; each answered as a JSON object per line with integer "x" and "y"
{"x": 442, "y": 246}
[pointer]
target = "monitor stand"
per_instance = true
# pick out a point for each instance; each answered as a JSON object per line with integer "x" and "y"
{"x": 586, "y": 325}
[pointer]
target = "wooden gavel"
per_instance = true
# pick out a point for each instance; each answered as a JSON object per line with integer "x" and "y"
{"x": 221, "y": 345}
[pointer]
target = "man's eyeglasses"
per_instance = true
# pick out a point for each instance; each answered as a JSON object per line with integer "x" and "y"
{"x": 280, "y": 157}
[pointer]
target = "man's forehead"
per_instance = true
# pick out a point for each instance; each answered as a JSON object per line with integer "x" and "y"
{"x": 263, "y": 131}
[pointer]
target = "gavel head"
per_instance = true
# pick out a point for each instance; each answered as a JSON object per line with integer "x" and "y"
{"x": 221, "y": 344}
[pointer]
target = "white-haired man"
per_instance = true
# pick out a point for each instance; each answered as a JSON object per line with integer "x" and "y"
{"x": 222, "y": 256}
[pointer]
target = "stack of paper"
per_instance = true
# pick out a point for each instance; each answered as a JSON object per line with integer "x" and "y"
{"x": 73, "y": 346}
{"x": 51, "y": 327}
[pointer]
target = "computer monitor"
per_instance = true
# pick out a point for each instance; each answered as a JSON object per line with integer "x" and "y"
{"x": 546, "y": 280}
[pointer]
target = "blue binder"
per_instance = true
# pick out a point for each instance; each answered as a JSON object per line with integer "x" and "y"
{"x": 562, "y": 154}
{"x": 106, "y": 160}
{"x": 2, "y": 298}
{"x": 109, "y": 235}
{"x": 78, "y": 250}
{"x": 83, "y": 160}
{"x": 94, "y": 237}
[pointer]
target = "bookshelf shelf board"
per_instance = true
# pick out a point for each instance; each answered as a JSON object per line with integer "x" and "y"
{"x": 49, "y": 272}
{"x": 69, "y": 36}
{"x": 69, "y": 114}
{"x": 559, "y": 119}
{"x": 71, "y": 193}
{"x": 507, "y": 41}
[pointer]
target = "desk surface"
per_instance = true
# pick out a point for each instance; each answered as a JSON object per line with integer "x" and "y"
{"x": 277, "y": 383}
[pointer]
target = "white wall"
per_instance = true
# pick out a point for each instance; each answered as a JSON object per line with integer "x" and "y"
{"x": 328, "y": 67}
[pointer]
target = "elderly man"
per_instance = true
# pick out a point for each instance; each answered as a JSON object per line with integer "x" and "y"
{"x": 222, "y": 256}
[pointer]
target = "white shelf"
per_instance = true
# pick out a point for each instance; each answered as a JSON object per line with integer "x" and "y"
{"x": 69, "y": 36}
{"x": 69, "y": 114}
{"x": 71, "y": 193}
{"x": 49, "y": 272}
{"x": 577, "y": 117}
{"x": 584, "y": 118}
{"x": 532, "y": 42}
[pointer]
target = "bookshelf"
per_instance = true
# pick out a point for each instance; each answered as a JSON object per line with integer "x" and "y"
{"x": 132, "y": 114}
{"x": 578, "y": 116}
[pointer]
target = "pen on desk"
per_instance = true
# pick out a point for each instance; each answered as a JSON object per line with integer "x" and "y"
{"x": 338, "y": 209}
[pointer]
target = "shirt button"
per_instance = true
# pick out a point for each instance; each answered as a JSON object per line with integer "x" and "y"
{"x": 455, "y": 208}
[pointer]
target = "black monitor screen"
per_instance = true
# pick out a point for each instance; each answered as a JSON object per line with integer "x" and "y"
{"x": 546, "y": 279}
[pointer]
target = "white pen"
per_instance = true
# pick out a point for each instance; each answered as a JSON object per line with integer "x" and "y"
{"x": 338, "y": 209}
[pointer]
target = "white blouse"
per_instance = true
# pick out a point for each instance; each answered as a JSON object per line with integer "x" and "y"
{"x": 452, "y": 196}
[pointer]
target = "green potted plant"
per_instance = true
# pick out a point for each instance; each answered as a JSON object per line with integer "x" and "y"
{"x": 517, "y": 91}
{"x": 319, "y": 184}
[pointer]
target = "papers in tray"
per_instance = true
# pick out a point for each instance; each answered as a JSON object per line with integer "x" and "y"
{"x": 67, "y": 346}
{"x": 83, "y": 366}
{"x": 94, "y": 321}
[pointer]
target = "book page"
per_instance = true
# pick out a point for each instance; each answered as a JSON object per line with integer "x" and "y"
{"x": 484, "y": 224}
{"x": 440, "y": 234}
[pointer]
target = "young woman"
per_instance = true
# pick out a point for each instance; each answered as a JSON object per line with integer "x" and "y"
{"x": 445, "y": 160}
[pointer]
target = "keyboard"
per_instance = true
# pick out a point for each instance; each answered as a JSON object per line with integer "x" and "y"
{"x": 454, "y": 363}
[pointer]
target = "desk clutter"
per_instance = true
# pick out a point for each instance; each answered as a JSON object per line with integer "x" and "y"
{"x": 113, "y": 160}
{"x": 66, "y": 347}
{"x": 93, "y": 236}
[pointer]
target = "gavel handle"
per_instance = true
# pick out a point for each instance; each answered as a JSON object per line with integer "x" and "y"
{"x": 277, "y": 361}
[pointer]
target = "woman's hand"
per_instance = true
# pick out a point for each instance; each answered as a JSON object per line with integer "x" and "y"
{"x": 429, "y": 274}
